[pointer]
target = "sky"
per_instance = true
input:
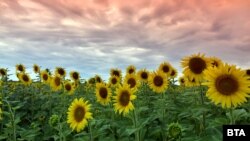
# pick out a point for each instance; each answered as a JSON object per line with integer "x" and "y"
{"x": 93, "y": 36}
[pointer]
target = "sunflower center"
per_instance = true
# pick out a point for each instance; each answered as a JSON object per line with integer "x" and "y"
{"x": 57, "y": 81}
{"x": 98, "y": 79}
{"x": 36, "y": 68}
{"x": 144, "y": 75}
{"x": 103, "y": 92}
{"x": 20, "y": 68}
{"x": 182, "y": 80}
{"x": 114, "y": 81}
{"x": 75, "y": 75}
{"x": 165, "y": 69}
{"x": 79, "y": 113}
{"x": 45, "y": 77}
{"x": 124, "y": 98}
{"x": 25, "y": 78}
{"x": 172, "y": 73}
{"x": 131, "y": 82}
{"x": 61, "y": 71}
{"x": 131, "y": 71}
{"x": 116, "y": 73}
{"x": 68, "y": 87}
{"x": 2, "y": 72}
{"x": 158, "y": 81}
{"x": 215, "y": 63}
{"x": 248, "y": 72}
{"x": 197, "y": 65}
{"x": 226, "y": 84}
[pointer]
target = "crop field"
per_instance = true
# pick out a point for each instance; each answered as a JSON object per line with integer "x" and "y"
{"x": 132, "y": 105}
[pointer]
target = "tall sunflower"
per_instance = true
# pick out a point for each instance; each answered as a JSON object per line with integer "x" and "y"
{"x": 195, "y": 65}
{"x": 215, "y": 62}
{"x": 45, "y": 77}
{"x": 123, "y": 99}
{"x": 79, "y": 114}
{"x": 25, "y": 78}
{"x": 56, "y": 83}
{"x": 68, "y": 87}
{"x": 173, "y": 73}
{"x": 143, "y": 75}
{"x": 165, "y": 67}
{"x": 227, "y": 85}
{"x": 131, "y": 69}
{"x": 132, "y": 81}
{"x": 98, "y": 79}
{"x": 3, "y": 72}
{"x": 36, "y": 68}
{"x": 116, "y": 72}
{"x": 74, "y": 75}
{"x": 158, "y": 81}
{"x": 60, "y": 71}
{"x": 103, "y": 93}
{"x": 114, "y": 81}
{"x": 20, "y": 68}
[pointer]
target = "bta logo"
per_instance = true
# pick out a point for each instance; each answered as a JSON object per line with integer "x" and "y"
{"x": 235, "y": 132}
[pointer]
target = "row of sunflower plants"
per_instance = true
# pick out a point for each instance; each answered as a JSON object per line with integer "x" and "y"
{"x": 141, "y": 105}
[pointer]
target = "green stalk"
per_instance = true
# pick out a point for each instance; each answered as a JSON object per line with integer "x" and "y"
{"x": 90, "y": 132}
{"x": 163, "y": 117}
{"x": 135, "y": 121}
{"x": 232, "y": 121}
{"x": 12, "y": 121}
{"x": 202, "y": 103}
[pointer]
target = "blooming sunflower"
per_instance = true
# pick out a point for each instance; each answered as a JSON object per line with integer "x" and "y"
{"x": 131, "y": 69}
{"x": 25, "y": 78}
{"x": 143, "y": 75}
{"x": 114, "y": 81}
{"x": 103, "y": 93}
{"x": 247, "y": 72}
{"x": 68, "y": 87}
{"x": 3, "y": 72}
{"x": 158, "y": 81}
{"x": 45, "y": 77}
{"x": 182, "y": 81}
{"x": 123, "y": 99}
{"x": 132, "y": 81}
{"x": 195, "y": 65}
{"x": 56, "y": 83}
{"x": 173, "y": 73}
{"x": 192, "y": 82}
{"x": 20, "y": 68}
{"x": 227, "y": 85}
{"x": 79, "y": 114}
{"x": 165, "y": 67}
{"x": 116, "y": 72}
{"x": 74, "y": 75}
{"x": 98, "y": 79}
{"x": 215, "y": 62}
{"x": 36, "y": 68}
{"x": 60, "y": 71}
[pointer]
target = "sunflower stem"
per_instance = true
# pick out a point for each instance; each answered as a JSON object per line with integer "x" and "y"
{"x": 232, "y": 121}
{"x": 163, "y": 117}
{"x": 203, "y": 113}
{"x": 12, "y": 113}
{"x": 90, "y": 132}
{"x": 137, "y": 133}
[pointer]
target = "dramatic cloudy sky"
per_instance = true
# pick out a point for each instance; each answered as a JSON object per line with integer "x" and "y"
{"x": 92, "y": 36}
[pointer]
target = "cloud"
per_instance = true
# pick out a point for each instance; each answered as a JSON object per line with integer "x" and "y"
{"x": 93, "y": 36}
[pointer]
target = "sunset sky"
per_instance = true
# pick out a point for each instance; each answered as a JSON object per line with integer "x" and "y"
{"x": 92, "y": 36}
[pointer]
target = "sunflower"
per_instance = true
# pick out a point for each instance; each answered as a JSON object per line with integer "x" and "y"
{"x": 247, "y": 72}
{"x": 173, "y": 73}
{"x": 143, "y": 75}
{"x": 60, "y": 71}
{"x": 103, "y": 93}
{"x": 158, "y": 81}
{"x": 68, "y": 87}
{"x": 74, "y": 75}
{"x": 131, "y": 69}
{"x": 114, "y": 81}
{"x": 227, "y": 85}
{"x": 182, "y": 81}
{"x": 192, "y": 82}
{"x": 79, "y": 114}
{"x": 165, "y": 67}
{"x": 123, "y": 99}
{"x": 195, "y": 65}
{"x": 215, "y": 62}
{"x": 98, "y": 79}
{"x": 56, "y": 83}
{"x": 25, "y": 78}
{"x": 131, "y": 80}
{"x": 116, "y": 72}
{"x": 3, "y": 72}
{"x": 36, "y": 68}
{"x": 91, "y": 81}
{"x": 45, "y": 77}
{"x": 20, "y": 68}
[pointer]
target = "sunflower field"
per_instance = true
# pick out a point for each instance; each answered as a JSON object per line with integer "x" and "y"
{"x": 132, "y": 105}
